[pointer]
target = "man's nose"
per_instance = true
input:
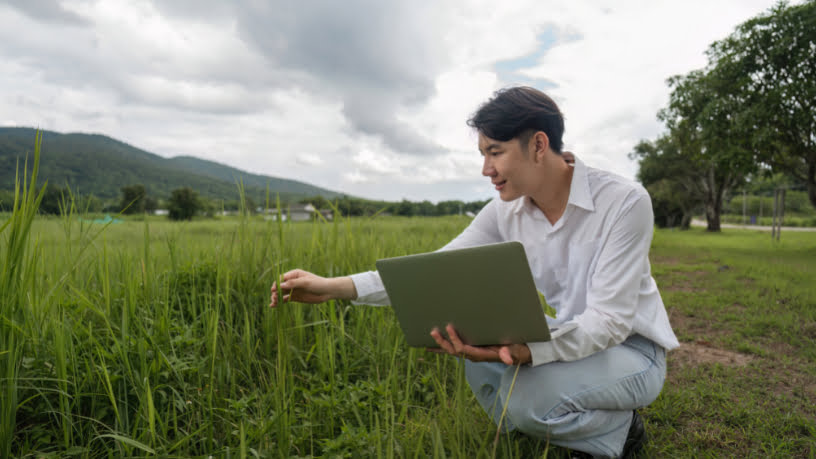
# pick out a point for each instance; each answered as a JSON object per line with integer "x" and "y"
{"x": 487, "y": 168}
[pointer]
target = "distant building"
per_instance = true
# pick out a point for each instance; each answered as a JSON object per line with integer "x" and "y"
{"x": 161, "y": 212}
{"x": 298, "y": 213}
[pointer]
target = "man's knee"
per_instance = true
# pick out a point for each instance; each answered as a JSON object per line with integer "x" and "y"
{"x": 532, "y": 401}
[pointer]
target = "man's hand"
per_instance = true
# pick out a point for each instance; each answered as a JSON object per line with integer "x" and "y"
{"x": 511, "y": 354}
{"x": 305, "y": 287}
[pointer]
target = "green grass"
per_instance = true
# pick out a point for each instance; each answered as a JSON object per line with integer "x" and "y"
{"x": 752, "y": 300}
{"x": 154, "y": 338}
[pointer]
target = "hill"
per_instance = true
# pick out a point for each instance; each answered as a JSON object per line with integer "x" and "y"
{"x": 99, "y": 165}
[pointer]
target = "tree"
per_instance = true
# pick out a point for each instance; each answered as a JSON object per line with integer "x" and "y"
{"x": 670, "y": 181}
{"x": 708, "y": 137}
{"x": 774, "y": 54}
{"x": 135, "y": 200}
{"x": 91, "y": 203}
{"x": 6, "y": 201}
{"x": 753, "y": 105}
{"x": 449, "y": 207}
{"x": 183, "y": 204}
{"x": 54, "y": 200}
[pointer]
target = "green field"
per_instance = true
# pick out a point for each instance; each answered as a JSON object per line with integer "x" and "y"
{"x": 154, "y": 338}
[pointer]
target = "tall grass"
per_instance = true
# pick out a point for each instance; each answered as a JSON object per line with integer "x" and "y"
{"x": 152, "y": 338}
{"x": 16, "y": 280}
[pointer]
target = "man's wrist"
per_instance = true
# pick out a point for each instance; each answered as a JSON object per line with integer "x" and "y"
{"x": 345, "y": 288}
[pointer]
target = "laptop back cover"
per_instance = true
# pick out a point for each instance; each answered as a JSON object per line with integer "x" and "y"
{"x": 486, "y": 292}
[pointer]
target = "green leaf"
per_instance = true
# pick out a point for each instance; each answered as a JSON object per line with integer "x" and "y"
{"x": 130, "y": 441}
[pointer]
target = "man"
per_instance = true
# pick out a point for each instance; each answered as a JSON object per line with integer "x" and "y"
{"x": 587, "y": 235}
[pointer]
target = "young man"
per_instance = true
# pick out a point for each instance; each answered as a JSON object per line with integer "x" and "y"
{"x": 587, "y": 235}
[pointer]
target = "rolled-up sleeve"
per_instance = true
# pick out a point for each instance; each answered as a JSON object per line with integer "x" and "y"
{"x": 370, "y": 289}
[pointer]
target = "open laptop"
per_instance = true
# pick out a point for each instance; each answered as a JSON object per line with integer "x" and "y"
{"x": 486, "y": 292}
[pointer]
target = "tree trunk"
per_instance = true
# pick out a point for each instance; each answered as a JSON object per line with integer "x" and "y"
{"x": 685, "y": 223}
{"x": 713, "y": 200}
{"x": 712, "y": 217}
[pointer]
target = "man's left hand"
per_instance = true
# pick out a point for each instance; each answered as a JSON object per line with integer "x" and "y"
{"x": 510, "y": 354}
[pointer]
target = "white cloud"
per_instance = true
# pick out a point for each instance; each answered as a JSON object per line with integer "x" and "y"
{"x": 370, "y": 101}
{"x": 308, "y": 159}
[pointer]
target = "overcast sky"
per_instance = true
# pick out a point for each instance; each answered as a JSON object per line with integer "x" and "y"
{"x": 369, "y": 98}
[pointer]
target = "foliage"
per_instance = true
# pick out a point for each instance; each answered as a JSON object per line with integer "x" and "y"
{"x": 91, "y": 163}
{"x": 17, "y": 281}
{"x": 773, "y": 54}
{"x": 54, "y": 200}
{"x": 136, "y": 201}
{"x": 6, "y": 200}
{"x": 158, "y": 342}
{"x": 707, "y": 138}
{"x": 359, "y": 207}
{"x": 670, "y": 182}
{"x": 183, "y": 204}
{"x": 752, "y": 106}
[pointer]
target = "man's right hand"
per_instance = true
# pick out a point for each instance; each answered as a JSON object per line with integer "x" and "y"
{"x": 305, "y": 287}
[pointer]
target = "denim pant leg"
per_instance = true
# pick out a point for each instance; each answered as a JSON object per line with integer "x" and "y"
{"x": 584, "y": 405}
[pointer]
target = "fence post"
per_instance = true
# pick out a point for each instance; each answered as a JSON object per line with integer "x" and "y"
{"x": 773, "y": 215}
{"x": 781, "y": 211}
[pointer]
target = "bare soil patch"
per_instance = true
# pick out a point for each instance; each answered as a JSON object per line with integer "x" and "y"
{"x": 702, "y": 353}
{"x": 700, "y": 327}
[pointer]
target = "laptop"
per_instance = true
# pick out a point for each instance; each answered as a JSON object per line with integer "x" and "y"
{"x": 486, "y": 292}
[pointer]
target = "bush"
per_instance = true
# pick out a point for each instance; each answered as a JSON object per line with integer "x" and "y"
{"x": 183, "y": 204}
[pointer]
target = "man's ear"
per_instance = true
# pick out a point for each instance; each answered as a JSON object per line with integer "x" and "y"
{"x": 541, "y": 144}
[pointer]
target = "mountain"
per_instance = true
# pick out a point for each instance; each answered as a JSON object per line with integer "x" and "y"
{"x": 99, "y": 165}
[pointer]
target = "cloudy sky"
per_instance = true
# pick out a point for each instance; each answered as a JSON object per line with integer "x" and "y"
{"x": 364, "y": 97}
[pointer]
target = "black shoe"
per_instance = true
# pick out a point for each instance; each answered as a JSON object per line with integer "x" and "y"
{"x": 636, "y": 437}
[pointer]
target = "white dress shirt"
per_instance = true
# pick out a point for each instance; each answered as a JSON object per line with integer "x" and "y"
{"x": 592, "y": 265}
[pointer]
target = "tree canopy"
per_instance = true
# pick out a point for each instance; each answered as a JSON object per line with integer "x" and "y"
{"x": 750, "y": 109}
{"x": 774, "y": 57}
{"x": 136, "y": 201}
{"x": 183, "y": 204}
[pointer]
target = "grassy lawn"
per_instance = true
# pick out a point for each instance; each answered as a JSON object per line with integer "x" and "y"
{"x": 743, "y": 383}
{"x": 151, "y": 338}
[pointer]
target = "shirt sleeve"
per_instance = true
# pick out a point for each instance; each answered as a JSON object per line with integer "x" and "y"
{"x": 482, "y": 230}
{"x": 612, "y": 298}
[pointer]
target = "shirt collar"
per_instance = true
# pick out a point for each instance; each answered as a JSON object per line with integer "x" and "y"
{"x": 580, "y": 194}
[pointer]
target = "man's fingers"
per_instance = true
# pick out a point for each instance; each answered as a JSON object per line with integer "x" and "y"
{"x": 457, "y": 343}
{"x": 293, "y": 274}
{"x": 288, "y": 284}
{"x": 506, "y": 356}
{"x": 480, "y": 354}
{"x": 442, "y": 342}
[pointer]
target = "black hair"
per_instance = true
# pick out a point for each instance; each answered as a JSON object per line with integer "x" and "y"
{"x": 519, "y": 112}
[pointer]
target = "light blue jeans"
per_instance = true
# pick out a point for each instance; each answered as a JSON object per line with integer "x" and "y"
{"x": 585, "y": 405}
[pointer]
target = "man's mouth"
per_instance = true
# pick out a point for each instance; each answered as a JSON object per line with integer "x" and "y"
{"x": 499, "y": 185}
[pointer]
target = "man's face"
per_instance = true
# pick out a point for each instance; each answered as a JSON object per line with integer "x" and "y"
{"x": 508, "y": 166}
